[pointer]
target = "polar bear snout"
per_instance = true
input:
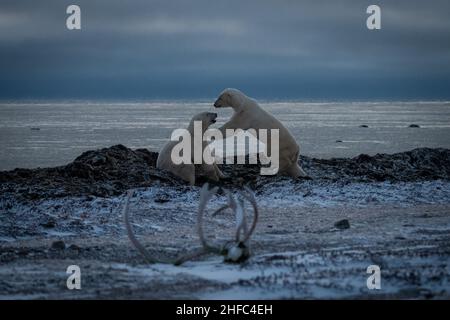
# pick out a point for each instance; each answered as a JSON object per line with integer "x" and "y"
{"x": 223, "y": 101}
{"x": 213, "y": 117}
{"x": 207, "y": 118}
{"x": 217, "y": 104}
{"x": 229, "y": 98}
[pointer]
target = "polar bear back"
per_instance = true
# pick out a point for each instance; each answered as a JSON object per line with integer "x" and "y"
{"x": 259, "y": 118}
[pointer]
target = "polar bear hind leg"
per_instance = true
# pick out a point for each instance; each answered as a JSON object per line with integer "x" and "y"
{"x": 295, "y": 171}
{"x": 185, "y": 172}
{"x": 210, "y": 171}
{"x": 218, "y": 171}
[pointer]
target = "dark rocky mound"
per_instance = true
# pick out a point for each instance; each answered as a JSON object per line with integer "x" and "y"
{"x": 416, "y": 165}
{"x": 111, "y": 171}
{"x": 104, "y": 172}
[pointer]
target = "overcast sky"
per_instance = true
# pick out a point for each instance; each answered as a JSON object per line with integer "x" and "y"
{"x": 184, "y": 49}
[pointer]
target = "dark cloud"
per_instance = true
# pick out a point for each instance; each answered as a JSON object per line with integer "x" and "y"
{"x": 193, "y": 49}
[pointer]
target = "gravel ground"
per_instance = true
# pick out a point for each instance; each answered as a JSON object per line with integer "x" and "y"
{"x": 314, "y": 239}
{"x": 298, "y": 252}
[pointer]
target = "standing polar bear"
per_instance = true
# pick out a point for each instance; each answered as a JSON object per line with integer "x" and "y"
{"x": 249, "y": 115}
{"x": 186, "y": 171}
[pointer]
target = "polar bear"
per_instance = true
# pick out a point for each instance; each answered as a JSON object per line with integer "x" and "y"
{"x": 186, "y": 171}
{"x": 248, "y": 114}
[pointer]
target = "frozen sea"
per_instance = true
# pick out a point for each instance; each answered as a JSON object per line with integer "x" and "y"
{"x": 66, "y": 129}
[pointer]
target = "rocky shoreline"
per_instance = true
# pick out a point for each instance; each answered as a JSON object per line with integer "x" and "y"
{"x": 111, "y": 171}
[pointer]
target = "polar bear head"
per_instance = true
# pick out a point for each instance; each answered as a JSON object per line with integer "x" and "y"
{"x": 207, "y": 119}
{"x": 230, "y": 98}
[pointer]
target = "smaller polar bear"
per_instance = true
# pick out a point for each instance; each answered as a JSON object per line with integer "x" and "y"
{"x": 249, "y": 115}
{"x": 186, "y": 171}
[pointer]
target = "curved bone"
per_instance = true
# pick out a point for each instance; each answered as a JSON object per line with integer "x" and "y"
{"x": 250, "y": 196}
{"x": 197, "y": 253}
{"x": 130, "y": 233}
{"x": 205, "y": 195}
{"x": 237, "y": 208}
{"x": 240, "y": 219}
{"x": 231, "y": 201}
{"x": 222, "y": 208}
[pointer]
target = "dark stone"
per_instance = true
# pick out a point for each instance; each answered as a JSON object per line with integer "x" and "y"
{"x": 58, "y": 245}
{"x": 363, "y": 158}
{"x": 162, "y": 198}
{"x": 342, "y": 224}
{"x": 364, "y": 126}
{"x": 414, "y": 126}
{"x": 74, "y": 247}
{"x": 49, "y": 224}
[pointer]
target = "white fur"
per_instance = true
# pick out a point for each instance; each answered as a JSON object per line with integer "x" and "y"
{"x": 248, "y": 114}
{"x": 187, "y": 171}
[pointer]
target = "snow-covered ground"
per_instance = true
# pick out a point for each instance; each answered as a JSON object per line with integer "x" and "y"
{"x": 99, "y": 216}
{"x": 298, "y": 252}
